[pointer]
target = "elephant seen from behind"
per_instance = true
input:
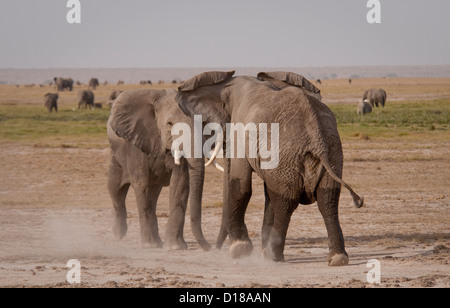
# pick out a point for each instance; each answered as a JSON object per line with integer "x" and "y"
{"x": 310, "y": 162}
{"x": 86, "y": 99}
{"x": 93, "y": 83}
{"x": 51, "y": 102}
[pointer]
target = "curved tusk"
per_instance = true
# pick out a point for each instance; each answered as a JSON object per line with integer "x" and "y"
{"x": 214, "y": 154}
{"x": 216, "y": 150}
{"x": 177, "y": 157}
{"x": 218, "y": 166}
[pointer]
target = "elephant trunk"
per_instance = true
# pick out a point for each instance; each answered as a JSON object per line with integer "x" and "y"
{"x": 196, "y": 181}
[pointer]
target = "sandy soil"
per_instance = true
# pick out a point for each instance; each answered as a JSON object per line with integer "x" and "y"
{"x": 55, "y": 207}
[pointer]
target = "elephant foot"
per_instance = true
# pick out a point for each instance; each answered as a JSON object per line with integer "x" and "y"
{"x": 241, "y": 249}
{"x": 151, "y": 245}
{"x": 338, "y": 260}
{"x": 269, "y": 254}
{"x": 120, "y": 229}
{"x": 205, "y": 245}
{"x": 176, "y": 244}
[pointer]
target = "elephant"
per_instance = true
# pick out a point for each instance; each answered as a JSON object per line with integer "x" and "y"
{"x": 86, "y": 98}
{"x": 139, "y": 133}
{"x": 364, "y": 107}
{"x": 63, "y": 84}
{"x": 93, "y": 83}
{"x": 51, "y": 101}
{"x": 375, "y": 97}
{"x": 114, "y": 94}
{"x": 310, "y": 161}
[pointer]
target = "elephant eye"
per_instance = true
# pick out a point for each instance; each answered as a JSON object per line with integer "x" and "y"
{"x": 170, "y": 124}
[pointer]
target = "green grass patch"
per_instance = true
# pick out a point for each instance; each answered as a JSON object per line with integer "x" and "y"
{"x": 33, "y": 123}
{"x": 398, "y": 120}
{"x": 405, "y": 120}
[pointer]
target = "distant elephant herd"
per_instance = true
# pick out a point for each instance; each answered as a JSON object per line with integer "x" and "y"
{"x": 86, "y": 98}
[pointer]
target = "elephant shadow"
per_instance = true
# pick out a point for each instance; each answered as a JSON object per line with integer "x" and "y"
{"x": 401, "y": 247}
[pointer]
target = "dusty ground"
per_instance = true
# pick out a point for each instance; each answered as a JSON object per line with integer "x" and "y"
{"x": 54, "y": 207}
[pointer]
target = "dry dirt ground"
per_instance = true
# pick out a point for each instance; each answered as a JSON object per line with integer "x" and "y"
{"x": 55, "y": 207}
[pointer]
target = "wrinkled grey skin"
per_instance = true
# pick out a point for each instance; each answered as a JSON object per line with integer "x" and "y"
{"x": 93, "y": 83}
{"x": 363, "y": 108}
{"x": 287, "y": 79}
{"x": 63, "y": 83}
{"x": 139, "y": 132}
{"x": 375, "y": 97}
{"x": 86, "y": 99}
{"x": 51, "y": 101}
{"x": 310, "y": 158}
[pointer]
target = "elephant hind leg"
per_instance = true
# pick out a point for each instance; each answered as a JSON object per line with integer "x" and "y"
{"x": 118, "y": 193}
{"x": 277, "y": 217}
{"x": 328, "y": 193}
{"x": 268, "y": 219}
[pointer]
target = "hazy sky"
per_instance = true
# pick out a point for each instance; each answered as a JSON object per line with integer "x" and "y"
{"x": 226, "y": 33}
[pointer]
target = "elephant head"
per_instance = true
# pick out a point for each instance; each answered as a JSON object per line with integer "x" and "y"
{"x": 146, "y": 118}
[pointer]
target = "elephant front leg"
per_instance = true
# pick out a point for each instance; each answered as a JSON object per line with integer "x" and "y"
{"x": 239, "y": 194}
{"x": 223, "y": 232}
{"x": 147, "y": 197}
{"x": 118, "y": 193}
{"x": 328, "y": 194}
{"x": 179, "y": 194}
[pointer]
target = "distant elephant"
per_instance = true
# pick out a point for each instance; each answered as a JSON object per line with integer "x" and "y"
{"x": 375, "y": 97}
{"x": 51, "y": 101}
{"x": 139, "y": 132}
{"x": 93, "y": 83}
{"x": 86, "y": 98}
{"x": 63, "y": 84}
{"x": 114, "y": 94}
{"x": 310, "y": 158}
{"x": 364, "y": 107}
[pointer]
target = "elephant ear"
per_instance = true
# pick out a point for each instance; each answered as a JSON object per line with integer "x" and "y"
{"x": 133, "y": 119}
{"x": 205, "y": 79}
{"x": 291, "y": 79}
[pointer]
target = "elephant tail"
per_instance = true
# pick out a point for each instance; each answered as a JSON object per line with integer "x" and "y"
{"x": 357, "y": 200}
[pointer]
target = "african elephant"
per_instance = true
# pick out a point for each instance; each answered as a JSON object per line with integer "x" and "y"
{"x": 63, "y": 83}
{"x": 310, "y": 158}
{"x": 364, "y": 107}
{"x": 139, "y": 132}
{"x": 93, "y": 83}
{"x": 51, "y": 101}
{"x": 86, "y": 98}
{"x": 375, "y": 97}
